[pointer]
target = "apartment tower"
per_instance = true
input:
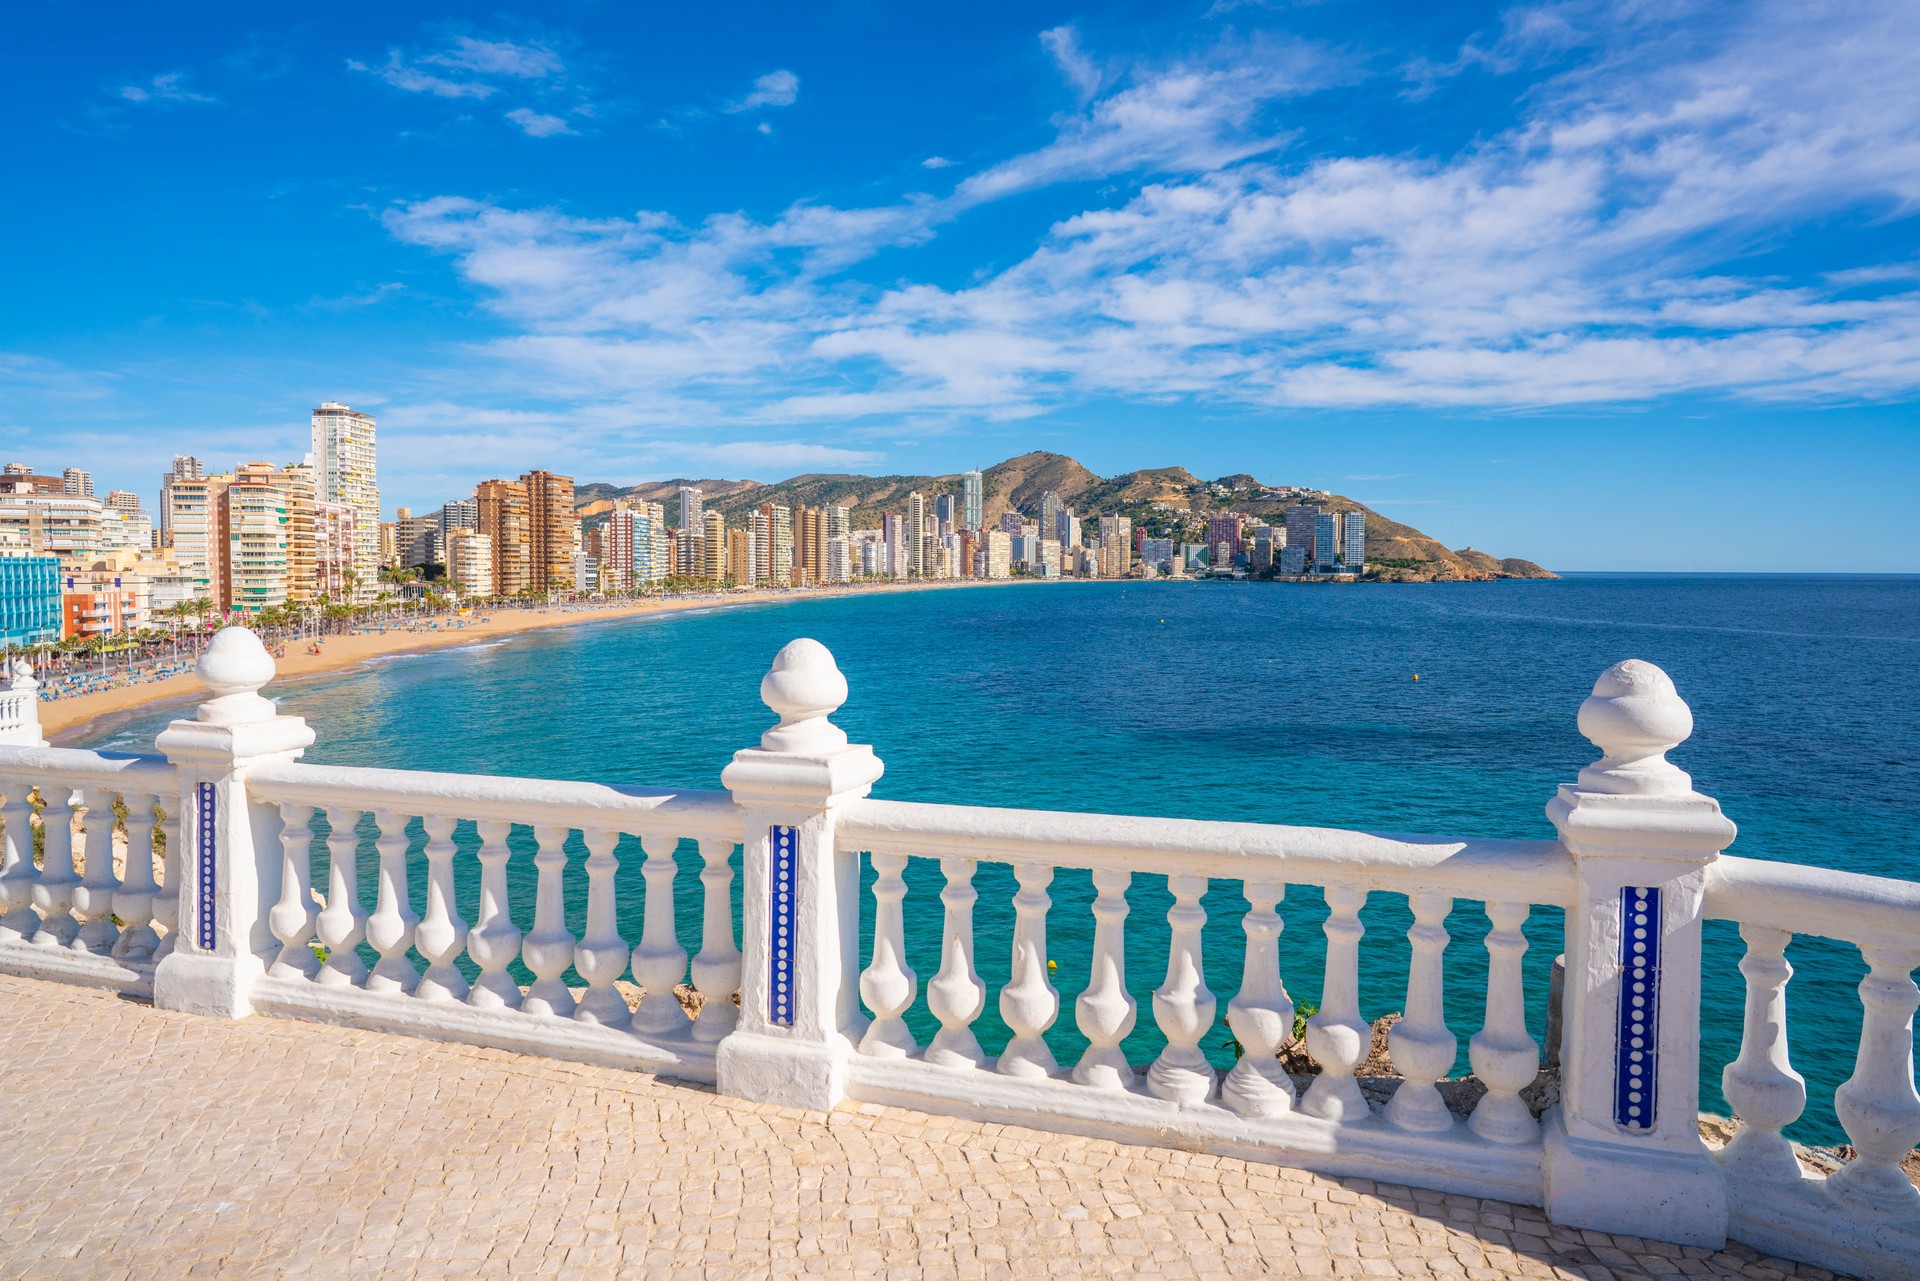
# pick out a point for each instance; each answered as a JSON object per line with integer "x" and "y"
{"x": 344, "y": 472}
{"x": 553, "y": 532}
{"x": 503, "y": 519}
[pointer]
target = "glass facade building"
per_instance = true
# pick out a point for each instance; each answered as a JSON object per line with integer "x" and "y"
{"x": 29, "y": 599}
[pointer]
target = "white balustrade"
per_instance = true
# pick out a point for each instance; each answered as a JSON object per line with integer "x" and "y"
{"x": 956, "y": 995}
{"x": 1337, "y": 1037}
{"x": 1182, "y": 1006}
{"x": 1105, "y": 1011}
{"x": 494, "y": 942}
{"x": 133, "y": 901}
{"x": 1261, "y": 1013}
{"x": 1029, "y": 1003}
{"x": 342, "y": 923}
{"x": 548, "y": 950}
{"x": 166, "y": 902}
{"x": 601, "y": 957}
{"x": 441, "y": 933}
{"x": 660, "y": 962}
{"x": 17, "y": 872}
{"x": 390, "y": 928}
{"x": 1423, "y": 1049}
{"x": 292, "y": 917}
{"x": 1766, "y": 1093}
{"x": 1504, "y": 1056}
{"x": 54, "y": 888}
{"x": 93, "y": 896}
{"x": 888, "y": 984}
{"x": 716, "y": 968}
{"x": 1878, "y": 1104}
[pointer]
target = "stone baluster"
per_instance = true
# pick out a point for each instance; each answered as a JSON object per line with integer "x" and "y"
{"x": 17, "y": 872}
{"x": 1105, "y": 1011}
{"x": 1029, "y": 1003}
{"x": 53, "y": 890}
{"x": 1878, "y": 1104}
{"x": 601, "y": 957}
{"x": 93, "y": 896}
{"x": 888, "y": 984}
{"x": 956, "y": 995}
{"x": 659, "y": 962}
{"x": 342, "y": 923}
{"x": 1766, "y": 1093}
{"x": 390, "y": 928}
{"x": 442, "y": 934}
{"x": 1182, "y": 1005}
{"x": 133, "y": 901}
{"x": 1423, "y": 1048}
{"x": 548, "y": 950}
{"x": 166, "y": 903}
{"x": 292, "y": 918}
{"x": 1504, "y": 1056}
{"x": 494, "y": 941}
{"x": 716, "y": 967}
{"x": 1261, "y": 1013}
{"x": 1337, "y": 1037}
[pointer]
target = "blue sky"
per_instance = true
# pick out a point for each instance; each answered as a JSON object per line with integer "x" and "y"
{"x": 1625, "y": 285}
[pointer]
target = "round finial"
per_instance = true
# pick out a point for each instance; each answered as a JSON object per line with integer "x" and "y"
{"x": 803, "y": 689}
{"x": 235, "y": 667}
{"x": 1635, "y": 717}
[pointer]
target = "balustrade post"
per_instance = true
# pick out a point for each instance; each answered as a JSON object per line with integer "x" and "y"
{"x": 1766, "y": 1093}
{"x": 1029, "y": 1003}
{"x": 133, "y": 901}
{"x": 956, "y": 995}
{"x": 1878, "y": 1103}
{"x": 1105, "y": 1011}
{"x": 20, "y": 708}
{"x": 231, "y": 871}
{"x": 716, "y": 967}
{"x": 601, "y": 957}
{"x": 441, "y": 934}
{"x": 888, "y": 983}
{"x": 93, "y": 896}
{"x": 800, "y": 892}
{"x": 659, "y": 961}
{"x": 1420, "y": 1043}
{"x": 53, "y": 889}
{"x": 1337, "y": 1037}
{"x": 17, "y": 872}
{"x": 1261, "y": 1013}
{"x": 1182, "y": 1005}
{"x": 1623, "y": 1148}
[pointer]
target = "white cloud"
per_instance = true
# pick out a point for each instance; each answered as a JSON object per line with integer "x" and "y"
{"x": 1064, "y": 44}
{"x": 775, "y": 89}
{"x": 402, "y": 75}
{"x": 170, "y": 87}
{"x": 499, "y": 58}
{"x": 537, "y": 124}
{"x": 936, "y": 162}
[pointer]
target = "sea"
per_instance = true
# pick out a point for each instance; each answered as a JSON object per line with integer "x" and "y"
{"x": 1433, "y": 708}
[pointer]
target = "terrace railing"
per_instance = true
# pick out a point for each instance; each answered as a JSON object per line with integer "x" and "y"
{"x": 227, "y": 877}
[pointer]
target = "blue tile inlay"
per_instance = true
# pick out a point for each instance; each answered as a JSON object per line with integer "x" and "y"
{"x": 782, "y": 841}
{"x": 205, "y": 851}
{"x": 1637, "y": 1061}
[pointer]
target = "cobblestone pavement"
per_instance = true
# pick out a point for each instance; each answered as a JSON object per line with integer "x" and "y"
{"x": 144, "y": 1144}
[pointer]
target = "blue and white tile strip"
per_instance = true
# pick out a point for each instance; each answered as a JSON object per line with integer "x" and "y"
{"x": 1636, "y": 1068}
{"x": 204, "y": 861}
{"x": 782, "y": 842}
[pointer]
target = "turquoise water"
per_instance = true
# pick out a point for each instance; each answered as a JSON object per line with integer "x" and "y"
{"x": 1273, "y": 703}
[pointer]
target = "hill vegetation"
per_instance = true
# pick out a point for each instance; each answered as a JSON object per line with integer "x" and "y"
{"x": 1168, "y": 502}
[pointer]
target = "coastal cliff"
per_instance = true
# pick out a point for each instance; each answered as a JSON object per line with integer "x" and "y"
{"x": 1166, "y": 501}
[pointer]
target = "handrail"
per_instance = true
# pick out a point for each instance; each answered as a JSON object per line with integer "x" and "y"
{"x": 1849, "y": 906}
{"x": 699, "y": 814}
{"x": 78, "y": 767}
{"x": 1470, "y": 868}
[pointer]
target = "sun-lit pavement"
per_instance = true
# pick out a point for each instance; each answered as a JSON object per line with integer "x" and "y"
{"x": 146, "y": 1144}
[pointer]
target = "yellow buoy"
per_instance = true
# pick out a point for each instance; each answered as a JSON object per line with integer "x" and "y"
{"x": 1416, "y": 676}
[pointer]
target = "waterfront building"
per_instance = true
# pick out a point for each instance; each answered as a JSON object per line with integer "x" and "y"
{"x": 297, "y": 485}
{"x": 76, "y": 483}
{"x": 999, "y": 554}
{"x": 1293, "y": 560}
{"x": 124, "y": 501}
{"x": 691, "y": 520}
{"x": 185, "y": 467}
{"x": 1051, "y": 507}
{"x": 54, "y": 523}
{"x": 249, "y": 543}
{"x": 345, "y": 472}
{"x": 1326, "y": 536}
{"x": 916, "y": 535}
{"x": 102, "y": 601}
{"x": 1158, "y": 553}
{"x": 1012, "y": 521}
{"x": 1116, "y": 546}
{"x": 503, "y": 519}
{"x": 1353, "y": 541}
{"x": 1193, "y": 558}
{"x": 714, "y": 568}
{"x": 969, "y": 546}
{"x": 1263, "y": 547}
{"x": 773, "y": 545}
{"x": 972, "y": 496}
{"x": 585, "y": 573}
{"x": 1049, "y": 566}
{"x": 1302, "y": 523}
{"x": 809, "y": 544}
{"x": 418, "y": 539}
{"x": 740, "y": 556}
{"x": 553, "y": 531}
{"x": 336, "y": 551}
{"x": 893, "y": 533}
{"x": 1068, "y": 531}
{"x": 946, "y": 510}
{"x": 1024, "y": 549}
{"x": 1228, "y": 529}
{"x": 457, "y": 513}
{"x": 839, "y": 532}
{"x": 29, "y": 597}
{"x": 470, "y": 562}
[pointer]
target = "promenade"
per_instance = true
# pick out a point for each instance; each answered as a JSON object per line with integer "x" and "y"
{"x": 149, "y": 1144}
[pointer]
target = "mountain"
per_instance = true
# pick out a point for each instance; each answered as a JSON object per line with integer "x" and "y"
{"x": 1168, "y": 501}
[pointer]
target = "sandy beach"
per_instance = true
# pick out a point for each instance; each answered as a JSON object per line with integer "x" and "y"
{"x": 70, "y": 720}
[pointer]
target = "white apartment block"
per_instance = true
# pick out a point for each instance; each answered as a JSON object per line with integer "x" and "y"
{"x": 345, "y": 472}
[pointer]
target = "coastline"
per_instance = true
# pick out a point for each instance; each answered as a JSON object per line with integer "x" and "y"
{"x": 69, "y": 720}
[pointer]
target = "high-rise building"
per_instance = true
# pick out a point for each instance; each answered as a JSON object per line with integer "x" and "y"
{"x": 1301, "y": 525}
{"x": 503, "y": 519}
{"x": 185, "y": 467}
{"x": 470, "y": 562}
{"x": 1353, "y": 541}
{"x": 189, "y": 519}
{"x": 553, "y": 531}
{"x": 1293, "y": 560}
{"x": 1116, "y": 546}
{"x": 972, "y": 500}
{"x": 250, "y": 541}
{"x": 773, "y": 545}
{"x": 458, "y": 513}
{"x": 916, "y": 535}
{"x": 740, "y": 556}
{"x": 417, "y": 539}
{"x": 1012, "y": 521}
{"x": 1158, "y": 553}
{"x": 1230, "y": 530}
{"x": 344, "y": 472}
{"x": 839, "y": 534}
{"x": 690, "y": 521}
{"x": 946, "y": 510}
{"x": 76, "y": 482}
{"x": 336, "y": 550}
{"x": 1050, "y": 508}
{"x": 1325, "y": 547}
{"x": 809, "y": 544}
{"x": 969, "y": 545}
{"x": 999, "y": 554}
{"x": 296, "y": 485}
{"x": 30, "y": 611}
{"x": 55, "y": 524}
{"x": 121, "y": 500}
{"x": 715, "y": 567}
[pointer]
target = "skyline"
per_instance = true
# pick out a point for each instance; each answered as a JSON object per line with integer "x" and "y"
{"x": 1605, "y": 291}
